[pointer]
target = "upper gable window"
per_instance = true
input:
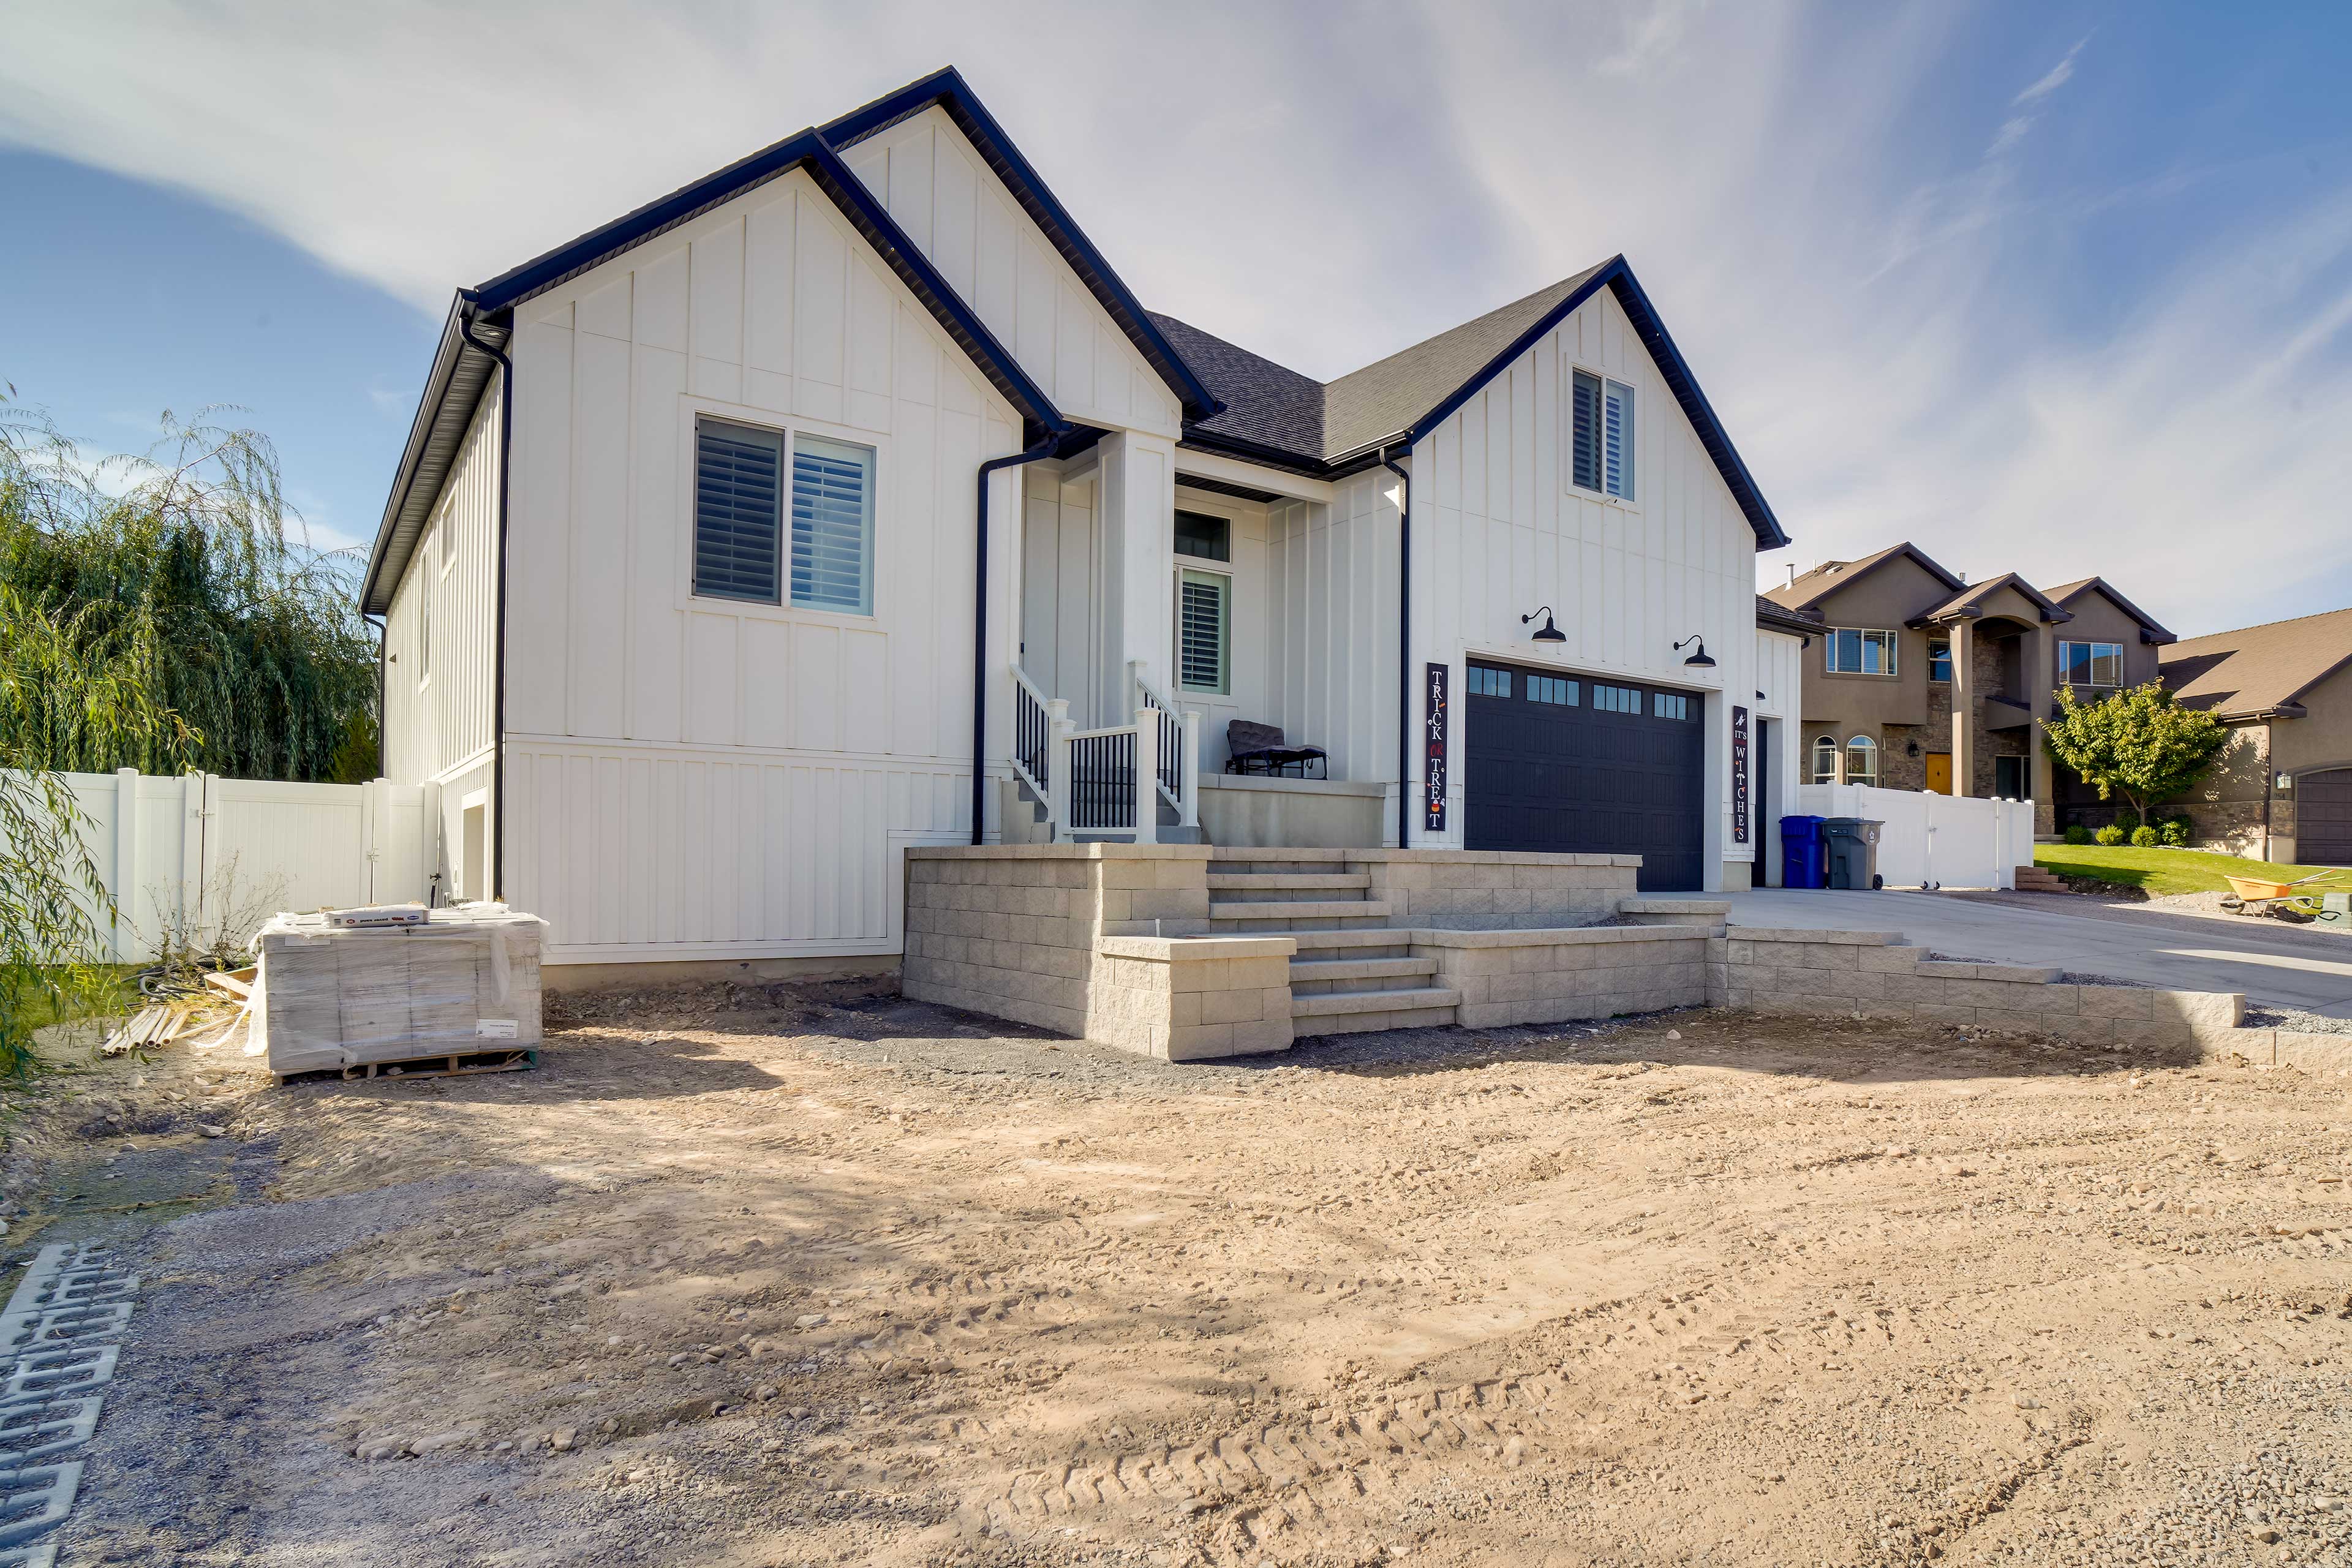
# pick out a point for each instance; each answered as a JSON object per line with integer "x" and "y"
{"x": 1601, "y": 435}
{"x": 739, "y": 545}
{"x": 1850, "y": 652}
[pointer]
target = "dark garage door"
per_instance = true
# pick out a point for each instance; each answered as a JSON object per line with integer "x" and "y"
{"x": 1566, "y": 764}
{"x": 2323, "y": 818}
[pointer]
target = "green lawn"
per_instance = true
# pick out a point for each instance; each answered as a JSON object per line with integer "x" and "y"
{"x": 2162, "y": 871}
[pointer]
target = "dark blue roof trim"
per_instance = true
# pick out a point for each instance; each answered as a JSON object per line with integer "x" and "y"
{"x": 1619, "y": 279}
{"x": 807, "y": 150}
{"x": 947, "y": 88}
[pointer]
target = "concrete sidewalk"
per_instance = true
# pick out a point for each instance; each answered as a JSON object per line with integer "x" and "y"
{"x": 2275, "y": 973}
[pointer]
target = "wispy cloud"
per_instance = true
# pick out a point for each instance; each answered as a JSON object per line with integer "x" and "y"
{"x": 1882, "y": 296}
{"x": 2056, "y": 77}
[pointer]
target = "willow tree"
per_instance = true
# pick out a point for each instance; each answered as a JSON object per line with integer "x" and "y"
{"x": 181, "y": 583}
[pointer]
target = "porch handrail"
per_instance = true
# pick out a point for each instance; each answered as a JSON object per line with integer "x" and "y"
{"x": 1033, "y": 718}
{"x": 1177, "y": 776}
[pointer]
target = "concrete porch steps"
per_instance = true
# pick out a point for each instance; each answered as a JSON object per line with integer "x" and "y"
{"x": 1253, "y": 916}
{"x": 1361, "y": 1012}
{"x": 1311, "y": 977}
{"x": 1289, "y": 882}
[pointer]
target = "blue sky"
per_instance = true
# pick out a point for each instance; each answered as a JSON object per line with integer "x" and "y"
{"x": 2060, "y": 288}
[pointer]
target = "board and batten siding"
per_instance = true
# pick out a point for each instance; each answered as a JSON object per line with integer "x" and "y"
{"x": 1332, "y": 573}
{"x": 1498, "y": 532}
{"x": 703, "y": 778}
{"x": 959, "y": 214}
{"x": 440, "y": 712}
{"x": 1780, "y": 676}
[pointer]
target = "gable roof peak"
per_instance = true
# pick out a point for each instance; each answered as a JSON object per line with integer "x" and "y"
{"x": 1832, "y": 576}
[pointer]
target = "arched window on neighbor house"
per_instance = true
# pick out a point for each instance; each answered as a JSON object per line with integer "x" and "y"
{"x": 1825, "y": 751}
{"x": 1861, "y": 761}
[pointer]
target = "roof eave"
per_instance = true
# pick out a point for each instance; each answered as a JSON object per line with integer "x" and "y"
{"x": 439, "y": 422}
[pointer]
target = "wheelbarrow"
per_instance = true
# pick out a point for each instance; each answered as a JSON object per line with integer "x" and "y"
{"x": 2262, "y": 896}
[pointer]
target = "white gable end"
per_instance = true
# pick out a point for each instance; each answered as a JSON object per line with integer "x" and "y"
{"x": 938, "y": 188}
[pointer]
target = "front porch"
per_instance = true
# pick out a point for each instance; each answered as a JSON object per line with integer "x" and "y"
{"x": 1186, "y": 953}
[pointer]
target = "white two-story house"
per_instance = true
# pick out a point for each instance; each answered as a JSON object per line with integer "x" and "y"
{"x": 811, "y": 511}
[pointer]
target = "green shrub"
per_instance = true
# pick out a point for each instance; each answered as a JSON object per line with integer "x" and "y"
{"x": 2143, "y": 836}
{"x": 2176, "y": 832}
{"x": 2078, "y": 834}
{"x": 2109, "y": 835}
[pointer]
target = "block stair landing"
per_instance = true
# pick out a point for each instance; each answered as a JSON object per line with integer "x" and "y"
{"x": 1353, "y": 973}
{"x": 2034, "y": 879}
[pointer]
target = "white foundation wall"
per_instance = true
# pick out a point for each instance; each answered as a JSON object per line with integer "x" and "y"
{"x": 700, "y": 778}
{"x": 959, "y": 214}
{"x": 1498, "y": 533}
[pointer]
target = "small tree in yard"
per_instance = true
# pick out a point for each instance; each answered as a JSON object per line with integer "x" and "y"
{"x": 2140, "y": 744}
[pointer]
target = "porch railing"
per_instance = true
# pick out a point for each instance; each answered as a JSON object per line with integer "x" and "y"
{"x": 1109, "y": 780}
{"x": 1178, "y": 775}
{"x": 1035, "y": 717}
{"x": 1106, "y": 780}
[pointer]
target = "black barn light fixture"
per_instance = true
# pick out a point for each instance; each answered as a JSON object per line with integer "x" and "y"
{"x": 1699, "y": 659}
{"x": 1547, "y": 632}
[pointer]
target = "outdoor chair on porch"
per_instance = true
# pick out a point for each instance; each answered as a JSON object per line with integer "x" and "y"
{"x": 1255, "y": 748}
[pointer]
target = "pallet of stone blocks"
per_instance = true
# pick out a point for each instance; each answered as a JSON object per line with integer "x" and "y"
{"x": 462, "y": 984}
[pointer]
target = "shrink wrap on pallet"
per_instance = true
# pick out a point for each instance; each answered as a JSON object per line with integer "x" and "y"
{"x": 463, "y": 983}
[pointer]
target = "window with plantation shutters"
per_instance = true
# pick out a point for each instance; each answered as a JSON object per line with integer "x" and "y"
{"x": 832, "y": 525}
{"x": 736, "y": 474}
{"x": 1204, "y": 603}
{"x": 1601, "y": 450}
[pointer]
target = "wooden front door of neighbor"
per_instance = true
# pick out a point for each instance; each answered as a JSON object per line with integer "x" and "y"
{"x": 1939, "y": 772}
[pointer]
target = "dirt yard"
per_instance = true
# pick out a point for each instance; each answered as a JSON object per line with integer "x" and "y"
{"x": 811, "y": 1275}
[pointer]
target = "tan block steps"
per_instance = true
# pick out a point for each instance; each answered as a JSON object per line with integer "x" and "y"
{"x": 1300, "y": 909}
{"x": 1324, "y": 971}
{"x": 1296, "y": 881}
{"x": 2034, "y": 879}
{"x": 1360, "y": 1012}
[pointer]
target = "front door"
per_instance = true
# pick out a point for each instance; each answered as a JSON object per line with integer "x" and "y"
{"x": 1939, "y": 772}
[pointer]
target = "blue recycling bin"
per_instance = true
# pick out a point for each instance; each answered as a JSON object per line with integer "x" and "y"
{"x": 1803, "y": 863}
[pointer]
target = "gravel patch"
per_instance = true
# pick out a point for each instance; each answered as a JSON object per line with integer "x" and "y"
{"x": 2264, "y": 1017}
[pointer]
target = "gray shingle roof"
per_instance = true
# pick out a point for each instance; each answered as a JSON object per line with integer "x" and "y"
{"x": 1386, "y": 397}
{"x": 1321, "y": 422}
{"x": 1265, "y": 403}
{"x": 2256, "y": 668}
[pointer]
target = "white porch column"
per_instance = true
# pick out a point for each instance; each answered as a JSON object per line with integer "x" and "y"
{"x": 1139, "y": 518}
{"x": 1964, "y": 702}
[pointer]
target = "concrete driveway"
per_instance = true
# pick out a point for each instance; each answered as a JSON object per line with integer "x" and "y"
{"x": 2290, "y": 974}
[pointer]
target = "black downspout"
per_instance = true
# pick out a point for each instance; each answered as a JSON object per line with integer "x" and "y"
{"x": 498, "y": 683}
{"x": 1043, "y": 448}
{"x": 1404, "y": 641}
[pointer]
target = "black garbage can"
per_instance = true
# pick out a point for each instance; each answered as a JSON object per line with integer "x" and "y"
{"x": 1852, "y": 846}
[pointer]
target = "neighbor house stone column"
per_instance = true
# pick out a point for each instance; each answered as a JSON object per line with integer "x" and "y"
{"x": 1964, "y": 704}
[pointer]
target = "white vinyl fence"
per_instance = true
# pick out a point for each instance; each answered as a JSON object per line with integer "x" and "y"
{"x": 201, "y": 855}
{"x": 1934, "y": 839}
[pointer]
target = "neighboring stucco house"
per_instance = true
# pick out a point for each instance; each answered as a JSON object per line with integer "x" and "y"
{"x": 811, "y": 512}
{"x": 1924, "y": 681}
{"x": 2284, "y": 789}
